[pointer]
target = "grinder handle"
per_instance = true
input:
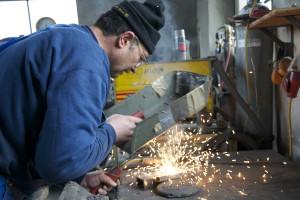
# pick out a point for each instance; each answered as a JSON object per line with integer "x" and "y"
{"x": 114, "y": 174}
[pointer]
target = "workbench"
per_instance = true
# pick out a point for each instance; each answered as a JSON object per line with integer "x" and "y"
{"x": 262, "y": 174}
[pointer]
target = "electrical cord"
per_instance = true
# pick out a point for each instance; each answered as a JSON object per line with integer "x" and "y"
{"x": 215, "y": 143}
{"x": 247, "y": 72}
{"x": 252, "y": 9}
{"x": 247, "y": 37}
{"x": 254, "y": 76}
{"x": 246, "y": 63}
{"x": 229, "y": 50}
{"x": 290, "y": 129}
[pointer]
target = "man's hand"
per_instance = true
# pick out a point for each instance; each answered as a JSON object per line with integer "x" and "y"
{"x": 95, "y": 178}
{"x": 124, "y": 127}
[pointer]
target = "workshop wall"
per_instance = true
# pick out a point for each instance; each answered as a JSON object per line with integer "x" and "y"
{"x": 281, "y": 123}
{"x": 211, "y": 15}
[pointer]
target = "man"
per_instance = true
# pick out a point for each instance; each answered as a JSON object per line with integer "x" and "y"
{"x": 54, "y": 85}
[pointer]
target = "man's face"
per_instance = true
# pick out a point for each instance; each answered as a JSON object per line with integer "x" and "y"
{"x": 129, "y": 58}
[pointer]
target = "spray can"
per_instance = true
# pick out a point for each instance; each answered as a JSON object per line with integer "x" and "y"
{"x": 180, "y": 45}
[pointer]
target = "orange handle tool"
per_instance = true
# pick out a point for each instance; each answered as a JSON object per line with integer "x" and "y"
{"x": 114, "y": 174}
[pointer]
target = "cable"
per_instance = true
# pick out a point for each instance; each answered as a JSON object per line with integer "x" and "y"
{"x": 253, "y": 6}
{"x": 254, "y": 77}
{"x": 229, "y": 49}
{"x": 246, "y": 63}
{"x": 247, "y": 66}
{"x": 290, "y": 130}
{"x": 247, "y": 71}
{"x": 222, "y": 141}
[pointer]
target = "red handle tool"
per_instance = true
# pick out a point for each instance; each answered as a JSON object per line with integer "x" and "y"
{"x": 139, "y": 113}
{"x": 114, "y": 174}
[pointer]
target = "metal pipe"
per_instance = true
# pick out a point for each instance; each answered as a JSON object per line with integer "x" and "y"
{"x": 29, "y": 17}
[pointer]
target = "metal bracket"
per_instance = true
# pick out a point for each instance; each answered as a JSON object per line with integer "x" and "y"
{"x": 287, "y": 46}
{"x": 293, "y": 20}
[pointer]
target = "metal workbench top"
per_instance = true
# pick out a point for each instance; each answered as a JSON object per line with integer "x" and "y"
{"x": 251, "y": 175}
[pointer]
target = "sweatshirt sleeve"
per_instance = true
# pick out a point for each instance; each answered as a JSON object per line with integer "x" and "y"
{"x": 71, "y": 141}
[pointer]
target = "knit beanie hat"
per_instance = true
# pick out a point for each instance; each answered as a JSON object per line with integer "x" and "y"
{"x": 146, "y": 19}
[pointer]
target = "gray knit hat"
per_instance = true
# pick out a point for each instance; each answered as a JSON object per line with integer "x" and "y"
{"x": 146, "y": 19}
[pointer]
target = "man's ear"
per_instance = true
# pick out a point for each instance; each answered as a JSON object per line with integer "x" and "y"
{"x": 125, "y": 38}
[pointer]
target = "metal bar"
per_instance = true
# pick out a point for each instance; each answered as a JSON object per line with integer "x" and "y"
{"x": 167, "y": 177}
{"x": 146, "y": 182}
{"x": 29, "y": 18}
{"x": 273, "y": 37}
{"x": 150, "y": 181}
{"x": 293, "y": 20}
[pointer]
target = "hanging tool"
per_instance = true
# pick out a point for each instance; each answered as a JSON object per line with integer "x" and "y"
{"x": 291, "y": 83}
{"x": 290, "y": 76}
{"x": 281, "y": 70}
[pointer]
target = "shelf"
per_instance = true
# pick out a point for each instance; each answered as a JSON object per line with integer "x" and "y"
{"x": 277, "y": 17}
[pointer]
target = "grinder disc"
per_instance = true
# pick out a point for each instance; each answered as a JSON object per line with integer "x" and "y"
{"x": 175, "y": 189}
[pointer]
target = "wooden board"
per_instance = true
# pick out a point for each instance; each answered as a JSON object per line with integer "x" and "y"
{"x": 276, "y": 17}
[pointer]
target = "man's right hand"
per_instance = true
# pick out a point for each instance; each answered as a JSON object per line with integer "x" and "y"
{"x": 124, "y": 126}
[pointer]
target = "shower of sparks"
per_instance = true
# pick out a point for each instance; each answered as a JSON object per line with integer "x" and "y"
{"x": 181, "y": 153}
{"x": 240, "y": 191}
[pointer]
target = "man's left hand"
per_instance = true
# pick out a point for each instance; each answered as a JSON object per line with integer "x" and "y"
{"x": 96, "y": 178}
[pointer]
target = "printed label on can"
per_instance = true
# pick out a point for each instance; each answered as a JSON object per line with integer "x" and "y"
{"x": 255, "y": 42}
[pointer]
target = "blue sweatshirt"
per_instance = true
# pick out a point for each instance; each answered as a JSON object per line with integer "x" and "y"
{"x": 53, "y": 88}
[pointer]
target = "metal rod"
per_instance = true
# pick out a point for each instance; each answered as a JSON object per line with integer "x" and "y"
{"x": 167, "y": 177}
{"x": 293, "y": 20}
{"x": 29, "y": 18}
{"x": 273, "y": 37}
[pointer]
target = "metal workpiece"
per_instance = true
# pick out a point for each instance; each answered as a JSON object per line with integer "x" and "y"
{"x": 166, "y": 101}
{"x": 146, "y": 182}
{"x": 151, "y": 180}
{"x": 163, "y": 178}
